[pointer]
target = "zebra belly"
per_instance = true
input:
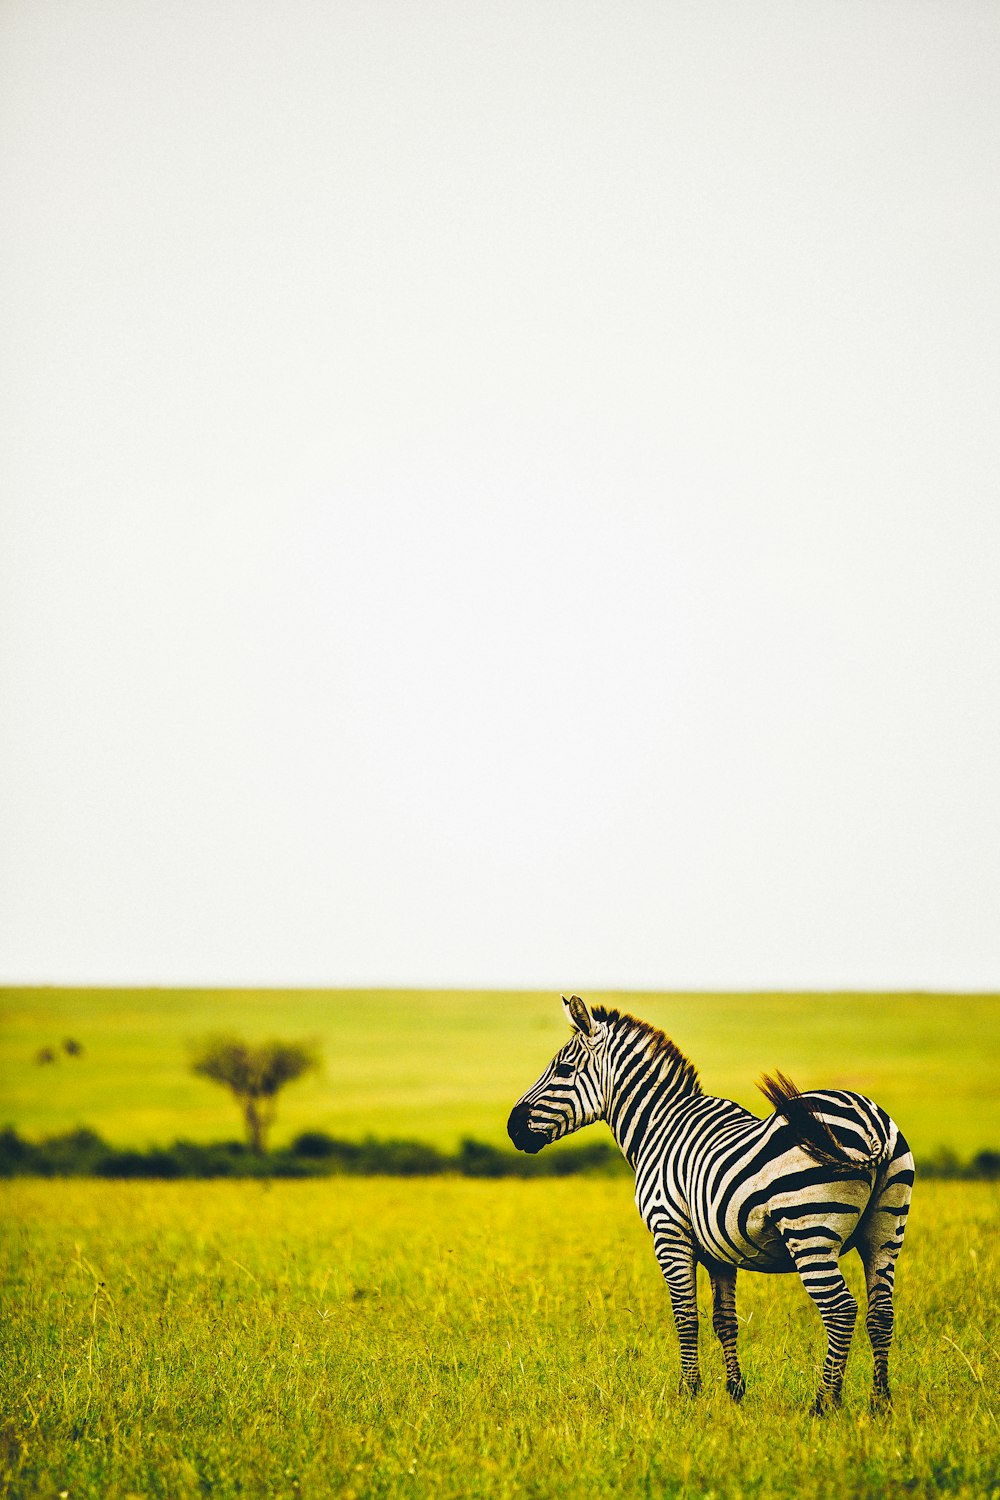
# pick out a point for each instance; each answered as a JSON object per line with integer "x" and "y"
{"x": 780, "y": 1264}
{"x": 753, "y": 1246}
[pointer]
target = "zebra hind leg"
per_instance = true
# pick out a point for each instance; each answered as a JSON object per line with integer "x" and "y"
{"x": 879, "y": 1321}
{"x": 879, "y": 1246}
{"x": 815, "y": 1257}
{"x": 726, "y": 1326}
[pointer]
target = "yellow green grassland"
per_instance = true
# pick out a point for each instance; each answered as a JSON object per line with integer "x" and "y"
{"x": 455, "y": 1338}
{"x": 452, "y": 1339}
{"x": 439, "y": 1065}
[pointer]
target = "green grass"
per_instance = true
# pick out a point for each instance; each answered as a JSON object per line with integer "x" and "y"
{"x": 439, "y": 1065}
{"x": 452, "y": 1339}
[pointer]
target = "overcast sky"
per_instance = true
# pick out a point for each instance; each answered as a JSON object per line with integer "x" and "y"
{"x": 500, "y": 494}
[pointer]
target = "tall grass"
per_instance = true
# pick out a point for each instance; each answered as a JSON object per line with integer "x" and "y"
{"x": 453, "y": 1338}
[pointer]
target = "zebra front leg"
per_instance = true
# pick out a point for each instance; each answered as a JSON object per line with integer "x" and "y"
{"x": 815, "y": 1260}
{"x": 675, "y": 1253}
{"x": 726, "y": 1326}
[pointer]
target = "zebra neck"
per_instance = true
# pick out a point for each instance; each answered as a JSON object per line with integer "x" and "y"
{"x": 643, "y": 1084}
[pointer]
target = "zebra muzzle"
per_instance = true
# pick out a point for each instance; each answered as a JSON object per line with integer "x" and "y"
{"x": 521, "y": 1133}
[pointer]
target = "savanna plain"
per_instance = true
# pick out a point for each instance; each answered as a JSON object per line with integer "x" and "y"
{"x": 453, "y": 1337}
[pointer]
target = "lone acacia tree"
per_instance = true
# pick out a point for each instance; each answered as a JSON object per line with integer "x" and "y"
{"x": 253, "y": 1073}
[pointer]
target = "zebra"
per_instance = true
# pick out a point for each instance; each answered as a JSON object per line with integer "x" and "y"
{"x": 826, "y": 1173}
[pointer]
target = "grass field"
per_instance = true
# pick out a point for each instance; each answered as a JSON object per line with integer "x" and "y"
{"x": 438, "y": 1066}
{"x": 453, "y": 1339}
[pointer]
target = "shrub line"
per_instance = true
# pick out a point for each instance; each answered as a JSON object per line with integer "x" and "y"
{"x": 82, "y": 1153}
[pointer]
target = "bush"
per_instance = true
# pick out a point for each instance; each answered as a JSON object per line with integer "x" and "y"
{"x": 74, "y": 1153}
{"x": 14, "y": 1153}
{"x": 138, "y": 1164}
{"x": 315, "y": 1145}
{"x": 400, "y": 1159}
{"x": 475, "y": 1159}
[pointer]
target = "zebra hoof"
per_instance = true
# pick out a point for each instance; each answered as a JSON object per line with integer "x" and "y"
{"x": 881, "y": 1401}
{"x": 691, "y": 1385}
{"x": 825, "y": 1403}
{"x": 737, "y": 1389}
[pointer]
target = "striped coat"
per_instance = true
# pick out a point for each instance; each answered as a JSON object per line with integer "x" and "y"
{"x": 826, "y": 1173}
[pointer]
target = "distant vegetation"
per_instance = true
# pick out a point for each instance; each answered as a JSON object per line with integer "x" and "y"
{"x": 70, "y": 1046}
{"x": 82, "y": 1153}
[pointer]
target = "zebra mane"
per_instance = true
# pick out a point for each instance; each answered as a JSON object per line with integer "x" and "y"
{"x": 659, "y": 1046}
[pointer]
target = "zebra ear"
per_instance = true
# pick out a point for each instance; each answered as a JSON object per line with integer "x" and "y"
{"x": 579, "y": 1014}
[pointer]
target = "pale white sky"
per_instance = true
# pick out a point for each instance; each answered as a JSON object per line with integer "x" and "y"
{"x": 500, "y": 493}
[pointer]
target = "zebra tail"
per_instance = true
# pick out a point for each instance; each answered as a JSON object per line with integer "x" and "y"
{"x": 811, "y": 1130}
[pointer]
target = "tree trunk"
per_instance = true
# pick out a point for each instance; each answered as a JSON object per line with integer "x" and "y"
{"x": 255, "y": 1127}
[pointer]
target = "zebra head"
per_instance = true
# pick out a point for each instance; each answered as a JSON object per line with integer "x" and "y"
{"x": 570, "y": 1092}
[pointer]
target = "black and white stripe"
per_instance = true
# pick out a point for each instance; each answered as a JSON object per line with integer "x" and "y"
{"x": 828, "y": 1172}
